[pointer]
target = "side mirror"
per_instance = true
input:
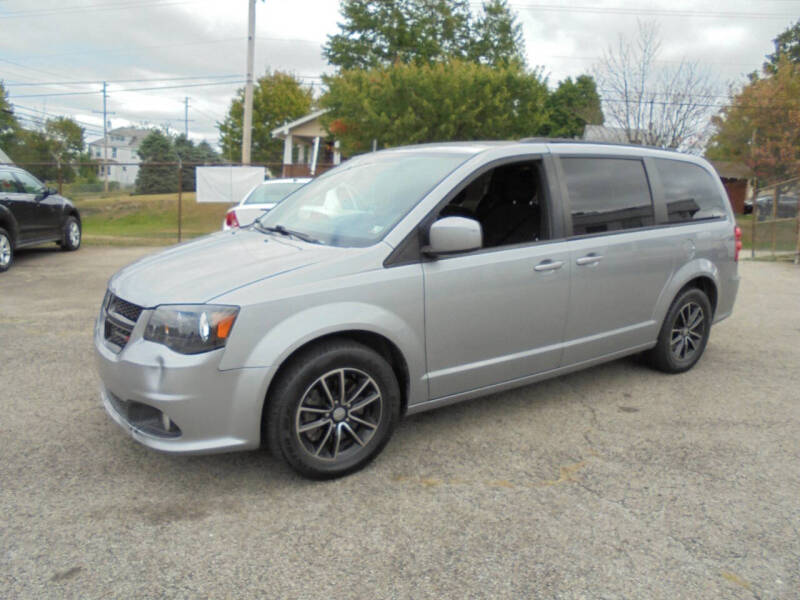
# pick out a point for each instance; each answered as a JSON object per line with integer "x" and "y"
{"x": 454, "y": 234}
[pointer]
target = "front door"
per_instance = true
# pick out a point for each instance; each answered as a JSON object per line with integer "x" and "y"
{"x": 497, "y": 315}
{"x": 494, "y": 316}
{"x": 47, "y": 210}
{"x": 22, "y": 206}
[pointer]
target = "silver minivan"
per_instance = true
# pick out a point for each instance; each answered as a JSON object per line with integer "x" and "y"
{"x": 447, "y": 272}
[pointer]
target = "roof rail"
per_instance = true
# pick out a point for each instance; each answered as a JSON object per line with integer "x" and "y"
{"x": 547, "y": 140}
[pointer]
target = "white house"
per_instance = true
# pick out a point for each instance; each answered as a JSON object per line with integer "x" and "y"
{"x": 123, "y": 160}
{"x": 308, "y": 149}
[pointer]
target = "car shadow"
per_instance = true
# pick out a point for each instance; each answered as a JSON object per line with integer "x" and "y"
{"x": 258, "y": 471}
{"x": 29, "y": 255}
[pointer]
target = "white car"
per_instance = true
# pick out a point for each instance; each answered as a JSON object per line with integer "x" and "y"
{"x": 261, "y": 199}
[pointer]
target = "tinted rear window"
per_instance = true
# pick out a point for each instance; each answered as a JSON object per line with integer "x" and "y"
{"x": 607, "y": 194}
{"x": 690, "y": 192}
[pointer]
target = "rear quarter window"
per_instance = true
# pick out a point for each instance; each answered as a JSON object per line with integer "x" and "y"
{"x": 690, "y": 192}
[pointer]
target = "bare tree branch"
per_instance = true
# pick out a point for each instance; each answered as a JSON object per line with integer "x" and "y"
{"x": 668, "y": 107}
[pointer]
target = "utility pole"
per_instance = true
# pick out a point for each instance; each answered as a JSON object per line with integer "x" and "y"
{"x": 105, "y": 140}
{"x": 186, "y": 117}
{"x": 247, "y": 126}
{"x": 105, "y": 136}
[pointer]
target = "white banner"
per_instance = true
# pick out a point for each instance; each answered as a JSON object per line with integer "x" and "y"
{"x": 226, "y": 184}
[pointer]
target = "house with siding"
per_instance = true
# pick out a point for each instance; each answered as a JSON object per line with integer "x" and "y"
{"x": 123, "y": 159}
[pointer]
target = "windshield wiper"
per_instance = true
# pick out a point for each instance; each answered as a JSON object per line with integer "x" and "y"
{"x": 288, "y": 232}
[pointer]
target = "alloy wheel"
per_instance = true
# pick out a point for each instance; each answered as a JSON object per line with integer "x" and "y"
{"x": 5, "y": 251}
{"x": 74, "y": 233}
{"x": 687, "y": 331}
{"x": 339, "y": 414}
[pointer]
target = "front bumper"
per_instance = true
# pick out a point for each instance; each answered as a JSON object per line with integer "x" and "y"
{"x": 183, "y": 403}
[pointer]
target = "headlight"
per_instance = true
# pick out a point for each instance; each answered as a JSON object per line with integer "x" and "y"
{"x": 191, "y": 329}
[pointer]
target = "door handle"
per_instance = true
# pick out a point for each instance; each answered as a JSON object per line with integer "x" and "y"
{"x": 589, "y": 259}
{"x": 549, "y": 265}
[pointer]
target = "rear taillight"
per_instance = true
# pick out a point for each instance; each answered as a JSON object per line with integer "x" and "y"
{"x": 737, "y": 232}
{"x": 232, "y": 221}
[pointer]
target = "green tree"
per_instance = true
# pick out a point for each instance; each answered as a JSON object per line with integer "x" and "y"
{"x": 28, "y": 147}
{"x": 786, "y": 44}
{"x": 761, "y": 126}
{"x": 66, "y": 144}
{"x": 572, "y": 106}
{"x": 277, "y": 97}
{"x": 379, "y": 33}
{"x": 8, "y": 122}
{"x": 187, "y": 152}
{"x": 411, "y": 103}
{"x": 66, "y": 137}
{"x": 153, "y": 178}
{"x": 497, "y": 36}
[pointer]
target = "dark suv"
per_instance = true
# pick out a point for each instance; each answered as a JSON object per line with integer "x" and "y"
{"x": 31, "y": 213}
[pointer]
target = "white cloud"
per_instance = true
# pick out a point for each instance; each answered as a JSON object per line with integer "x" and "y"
{"x": 208, "y": 37}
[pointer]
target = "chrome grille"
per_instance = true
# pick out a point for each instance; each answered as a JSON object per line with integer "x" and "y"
{"x": 119, "y": 319}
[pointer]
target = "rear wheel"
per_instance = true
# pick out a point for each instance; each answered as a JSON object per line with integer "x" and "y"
{"x": 71, "y": 234}
{"x": 6, "y": 251}
{"x": 333, "y": 410}
{"x": 684, "y": 334}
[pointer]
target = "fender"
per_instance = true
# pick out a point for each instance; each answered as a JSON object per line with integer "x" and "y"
{"x": 699, "y": 267}
{"x": 290, "y": 334}
{"x": 9, "y": 223}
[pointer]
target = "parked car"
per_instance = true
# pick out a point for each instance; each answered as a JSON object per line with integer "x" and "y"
{"x": 261, "y": 199}
{"x": 32, "y": 214}
{"x": 786, "y": 209}
{"x": 465, "y": 269}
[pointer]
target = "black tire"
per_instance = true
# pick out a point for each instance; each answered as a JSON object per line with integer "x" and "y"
{"x": 299, "y": 399}
{"x": 6, "y": 250}
{"x": 71, "y": 234}
{"x": 684, "y": 333}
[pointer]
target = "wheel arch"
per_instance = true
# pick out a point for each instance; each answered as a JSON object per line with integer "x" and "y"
{"x": 702, "y": 274}
{"x": 9, "y": 223}
{"x": 707, "y": 285}
{"x": 73, "y": 212}
{"x": 380, "y": 344}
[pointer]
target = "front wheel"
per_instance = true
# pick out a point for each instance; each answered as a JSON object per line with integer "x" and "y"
{"x": 333, "y": 410}
{"x": 6, "y": 251}
{"x": 71, "y": 234}
{"x": 684, "y": 334}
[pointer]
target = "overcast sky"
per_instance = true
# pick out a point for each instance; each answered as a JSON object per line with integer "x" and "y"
{"x": 70, "y": 46}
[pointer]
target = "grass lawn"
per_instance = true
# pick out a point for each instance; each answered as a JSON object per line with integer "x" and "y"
{"x": 123, "y": 219}
{"x": 783, "y": 231}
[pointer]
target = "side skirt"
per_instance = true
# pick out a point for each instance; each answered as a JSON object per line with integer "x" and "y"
{"x": 522, "y": 381}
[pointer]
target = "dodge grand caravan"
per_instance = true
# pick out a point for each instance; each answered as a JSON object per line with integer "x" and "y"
{"x": 464, "y": 269}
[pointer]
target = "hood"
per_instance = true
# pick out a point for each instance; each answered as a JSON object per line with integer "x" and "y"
{"x": 200, "y": 270}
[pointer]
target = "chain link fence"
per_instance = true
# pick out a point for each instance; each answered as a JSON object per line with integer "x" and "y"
{"x": 143, "y": 203}
{"x": 772, "y": 227}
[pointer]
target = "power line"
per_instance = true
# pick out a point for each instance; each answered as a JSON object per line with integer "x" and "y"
{"x": 651, "y": 12}
{"x": 35, "y": 111}
{"x": 46, "y": 12}
{"x": 21, "y": 66}
{"x": 96, "y": 81}
{"x": 109, "y": 51}
{"x": 140, "y": 89}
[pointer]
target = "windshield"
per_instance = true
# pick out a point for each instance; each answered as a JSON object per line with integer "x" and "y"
{"x": 359, "y": 202}
{"x": 271, "y": 193}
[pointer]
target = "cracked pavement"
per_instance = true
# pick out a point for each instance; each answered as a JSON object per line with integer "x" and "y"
{"x": 616, "y": 482}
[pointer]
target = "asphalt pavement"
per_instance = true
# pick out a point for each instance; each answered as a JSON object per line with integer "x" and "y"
{"x": 616, "y": 482}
